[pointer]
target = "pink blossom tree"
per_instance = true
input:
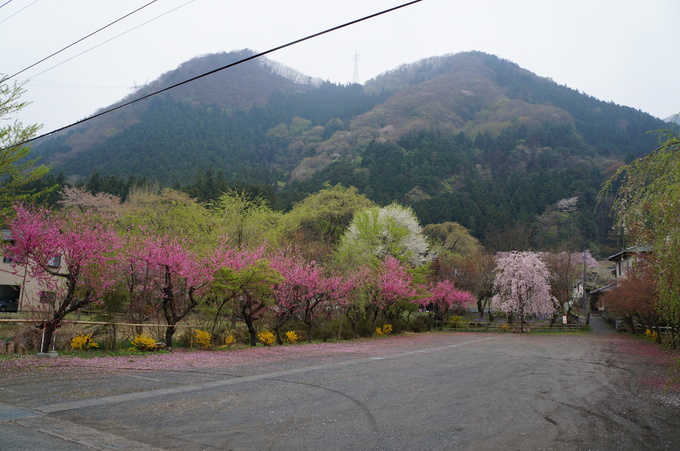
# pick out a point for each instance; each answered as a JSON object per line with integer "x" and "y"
{"x": 70, "y": 254}
{"x": 390, "y": 289}
{"x": 522, "y": 286}
{"x": 179, "y": 277}
{"x": 302, "y": 290}
{"x": 442, "y": 296}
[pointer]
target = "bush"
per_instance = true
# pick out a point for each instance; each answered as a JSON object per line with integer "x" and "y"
{"x": 266, "y": 337}
{"x": 144, "y": 343}
{"x": 385, "y": 330}
{"x": 229, "y": 340}
{"x": 83, "y": 342}
{"x": 453, "y": 319}
{"x": 202, "y": 338}
{"x": 652, "y": 334}
{"x": 364, "y": 329}
{"x": 291, "y": 337}
{"x": 399, "y": 326}
{"x": 422, "y": 323}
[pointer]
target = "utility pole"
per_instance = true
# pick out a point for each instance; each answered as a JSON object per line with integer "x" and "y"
{"x": 355, "y": 59}
{"x": 585, "y": 296}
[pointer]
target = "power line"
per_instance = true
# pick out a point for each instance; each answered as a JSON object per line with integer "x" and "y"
{"x": 7, "y": 18}
{"x": 111, "y": 39}
{"x": 81, "y": 39}
{"x": 8, "y": 1}
{"x": 241, "y": 61}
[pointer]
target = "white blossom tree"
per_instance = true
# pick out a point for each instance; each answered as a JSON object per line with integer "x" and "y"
{"x": 378, "y": 232}
{"x": 522, "y": 286}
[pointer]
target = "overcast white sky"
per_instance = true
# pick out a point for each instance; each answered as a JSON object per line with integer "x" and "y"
{"x": 625, "y": 51}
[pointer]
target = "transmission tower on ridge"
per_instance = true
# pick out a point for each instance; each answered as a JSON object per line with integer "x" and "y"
{"x": 355, "y": 59}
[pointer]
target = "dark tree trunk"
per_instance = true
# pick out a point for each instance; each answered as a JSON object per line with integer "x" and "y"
{"x": 50, "y": 329}
{"x": 251, "y": 329}
{"x": 169, "y": 332}
{"x": 309, "y": 331}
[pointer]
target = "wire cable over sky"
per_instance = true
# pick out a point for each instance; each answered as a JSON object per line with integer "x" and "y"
{"x": 82, "y": 39}
{"x": 108, "y": 40}
{"x": 9, "y": 17}
{"x": 241, "y": 61}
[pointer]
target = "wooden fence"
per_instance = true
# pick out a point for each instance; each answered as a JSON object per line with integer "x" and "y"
{"x": 108, "y": 333}
{"x": 480, "y": 326}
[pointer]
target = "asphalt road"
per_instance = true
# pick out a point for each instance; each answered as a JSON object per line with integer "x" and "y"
{"x": 471, "y": 391}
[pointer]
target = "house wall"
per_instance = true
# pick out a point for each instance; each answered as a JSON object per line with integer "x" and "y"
{"x": 32, "y": 294}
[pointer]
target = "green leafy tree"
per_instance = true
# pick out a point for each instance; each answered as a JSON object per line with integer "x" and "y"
{"x": 647, "y": 208}
{"x": 452, "y": 238}
{"x": 248, "y": 289}
{"x": 166, "y": 212}
{"x": 245, "y": 220}
{"x": 318, "y": 221}
{"x": 377, "y": 233}
{"x": 17, "y": 171}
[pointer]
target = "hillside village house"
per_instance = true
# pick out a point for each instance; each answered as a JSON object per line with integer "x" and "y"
{"x": 16, "y": 283}
{"x": 625, "y": 260}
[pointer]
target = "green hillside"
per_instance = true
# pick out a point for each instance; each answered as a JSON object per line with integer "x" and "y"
{"x": 468, "y": 137}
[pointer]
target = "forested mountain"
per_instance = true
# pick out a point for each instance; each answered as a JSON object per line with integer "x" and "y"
{"x": 469, "y": 137}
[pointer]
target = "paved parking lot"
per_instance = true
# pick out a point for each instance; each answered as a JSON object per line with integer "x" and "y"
{"x": 418, "y": 391}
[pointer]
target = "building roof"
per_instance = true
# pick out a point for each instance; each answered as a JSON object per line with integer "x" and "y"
{"x": 629, "y": 251}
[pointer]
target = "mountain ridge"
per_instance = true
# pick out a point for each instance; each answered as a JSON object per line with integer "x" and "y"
{"x": 468, "y": 137}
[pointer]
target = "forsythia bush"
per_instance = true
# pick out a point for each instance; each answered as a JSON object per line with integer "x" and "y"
{"x": 202, "y": 338}
{"x": 229, "y": 340}
{"x": 292, "y": 336}
{"x": 144, "y": 343}
{"x": 83, "y": 342}
{"x": 266, "y": 337}
{"x": 385, "y": 330}
{"x": 652, "y": 334}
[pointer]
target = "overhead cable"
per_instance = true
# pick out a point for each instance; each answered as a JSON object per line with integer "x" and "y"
{"x": 241, "y": 61}
{"x": 111, "y": 39}
{"x": 82, "y": 39}
{"x": 9, "y": 17}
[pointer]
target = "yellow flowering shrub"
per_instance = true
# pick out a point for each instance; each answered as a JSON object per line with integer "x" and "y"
{"x": 83, "y": 342}
{"x": 652, "y": 334}
{"x": 229, "y": 340}
{"x": 202, "y": 338}
{"x": 292, "y": 336}
{"x": 144, "y": 343}
{"x": 385, "y": 330}
{"x": 266, "y": 337}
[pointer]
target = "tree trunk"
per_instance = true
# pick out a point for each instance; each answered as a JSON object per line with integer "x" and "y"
{"x": 342, "y": 317}
{"x": 251, "y": 329}
{"x": 277, "y": 333}
{"x": 309, "y": 331}
{"x": 50, "y": 329}
{"x": 169, "y": 332}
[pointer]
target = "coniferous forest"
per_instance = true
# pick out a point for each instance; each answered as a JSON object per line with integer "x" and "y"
{"x": 468, "y": 138}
